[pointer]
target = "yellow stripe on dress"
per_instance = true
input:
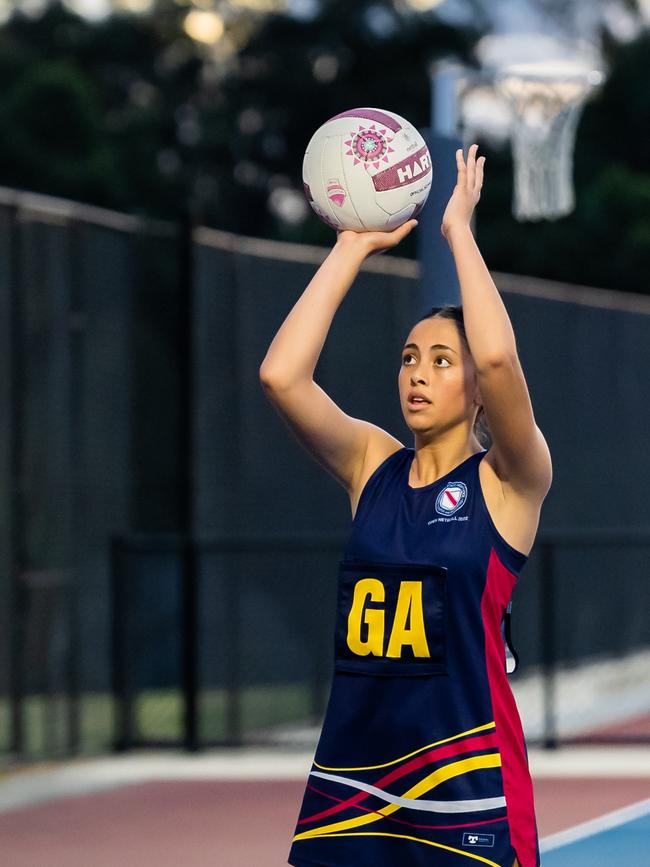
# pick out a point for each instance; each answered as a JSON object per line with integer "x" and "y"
{"x": 417, "y": 840}
{"x": 482, "y": 728}
{"x": 454, "y": 769}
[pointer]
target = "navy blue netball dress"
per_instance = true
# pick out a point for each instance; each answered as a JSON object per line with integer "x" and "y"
{"x": 421, "y": 759}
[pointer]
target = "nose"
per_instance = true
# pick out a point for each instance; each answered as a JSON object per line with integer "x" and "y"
{"x": 416, "y": 376}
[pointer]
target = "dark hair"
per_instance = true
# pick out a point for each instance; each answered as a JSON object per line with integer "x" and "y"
{"x": 455, "y": 312}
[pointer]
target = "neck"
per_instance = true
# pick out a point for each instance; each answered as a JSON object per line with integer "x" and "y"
{"x": 433, "y": 460}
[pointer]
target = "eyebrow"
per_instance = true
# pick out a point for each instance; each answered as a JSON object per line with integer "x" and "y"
{"x": 433, "y": 346}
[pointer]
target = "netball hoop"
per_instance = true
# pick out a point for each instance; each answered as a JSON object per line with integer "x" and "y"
{"x": 528, "y": 87}
{"x": 546, "y": 100}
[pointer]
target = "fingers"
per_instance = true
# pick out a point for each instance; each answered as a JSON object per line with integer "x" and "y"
{"x": 462, "y": 171}
{"x": 470, "y": 175}
{"x": 408, "y": 227}
{"x": 384, "y": 240}
{"x": 479, "y": 172}
{"x": 398, "y": 234}
{"x": 403, "y": 230}
{"x": 471, "y": 166}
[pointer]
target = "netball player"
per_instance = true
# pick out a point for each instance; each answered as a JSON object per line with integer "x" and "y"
{"x": 421, "y": 758}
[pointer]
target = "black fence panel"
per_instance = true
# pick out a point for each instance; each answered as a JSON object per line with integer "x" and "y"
{"x": 265, "y": 618}
{"x": 117, "y": 426}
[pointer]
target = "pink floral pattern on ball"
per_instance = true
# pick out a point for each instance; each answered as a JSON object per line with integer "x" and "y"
{"x": 369, "y": 146}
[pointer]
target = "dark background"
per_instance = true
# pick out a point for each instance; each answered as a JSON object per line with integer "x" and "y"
{"x": 102, "y": 394}
{"x": 130, "y": 113}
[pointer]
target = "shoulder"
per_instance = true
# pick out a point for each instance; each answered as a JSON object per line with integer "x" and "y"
{"x": 381, "y": 445}
{"x": 495, "y": 479}
{"x": 514, "y": 515}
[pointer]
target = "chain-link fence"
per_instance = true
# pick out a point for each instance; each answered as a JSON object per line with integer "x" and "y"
{"x": 132, "y": 410}
{"x": 262, "y": 631}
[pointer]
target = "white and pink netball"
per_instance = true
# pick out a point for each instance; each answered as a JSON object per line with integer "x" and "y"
{"x": 367, "y": 169}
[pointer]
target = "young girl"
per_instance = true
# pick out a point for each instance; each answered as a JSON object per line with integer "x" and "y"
{"x": 421, "y": 759}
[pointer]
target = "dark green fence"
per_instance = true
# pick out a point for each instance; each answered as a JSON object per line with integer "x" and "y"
{"x": 113, "y": 428}
{"x": 261, "y": 637}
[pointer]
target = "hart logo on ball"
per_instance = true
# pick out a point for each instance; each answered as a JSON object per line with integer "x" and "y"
{"x": 408, "y": 170}
{"x": 396, "y": 177}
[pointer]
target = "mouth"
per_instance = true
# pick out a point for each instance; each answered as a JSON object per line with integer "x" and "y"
{"x": 417, "y": 403}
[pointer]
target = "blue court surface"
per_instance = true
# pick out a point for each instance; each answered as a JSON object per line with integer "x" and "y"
{"x": 618, "y": 838}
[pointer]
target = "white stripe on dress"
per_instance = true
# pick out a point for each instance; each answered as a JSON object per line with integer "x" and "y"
{"x": 418, "y": 803}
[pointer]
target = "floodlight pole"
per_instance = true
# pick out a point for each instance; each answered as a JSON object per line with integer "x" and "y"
{"x": 190, "y": 556}
{"x": 438, "y": 278}
{"x": 444, "y": 99}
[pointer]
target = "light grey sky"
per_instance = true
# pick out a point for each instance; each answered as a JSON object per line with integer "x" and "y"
{"x": 582, "y": 16}
{"x": 569, "y": 17}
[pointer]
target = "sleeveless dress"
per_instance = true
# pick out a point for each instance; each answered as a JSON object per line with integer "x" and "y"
{"x": 421, "y": 759}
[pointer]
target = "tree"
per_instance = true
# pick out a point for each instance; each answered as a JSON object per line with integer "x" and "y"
{"x": 132, "y": 113}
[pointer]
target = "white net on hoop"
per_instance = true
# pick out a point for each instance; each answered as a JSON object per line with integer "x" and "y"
{"x": 546, "y": 102}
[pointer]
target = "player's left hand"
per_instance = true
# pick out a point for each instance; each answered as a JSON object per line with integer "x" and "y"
{"x": 467, "y": 191}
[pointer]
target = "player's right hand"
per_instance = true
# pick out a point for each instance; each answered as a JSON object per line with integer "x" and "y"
{"x": 375, "y": 242}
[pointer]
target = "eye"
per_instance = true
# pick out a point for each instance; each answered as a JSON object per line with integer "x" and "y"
{"x": 406, "y": 356}
{"x": 442, "y": 358}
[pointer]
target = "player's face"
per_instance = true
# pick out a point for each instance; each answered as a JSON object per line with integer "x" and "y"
{"x": 436, "y": 363}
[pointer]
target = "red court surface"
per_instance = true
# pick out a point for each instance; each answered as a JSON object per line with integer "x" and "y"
{"x": 635, "y": 727}
{"x": 239, "y": 823}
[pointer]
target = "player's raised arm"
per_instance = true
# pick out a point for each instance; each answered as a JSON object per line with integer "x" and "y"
{"x": 336, "y": 440}
{"x": 521, "y": 453}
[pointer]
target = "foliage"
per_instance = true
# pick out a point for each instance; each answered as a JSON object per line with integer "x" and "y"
{"x": 131, "y": 113}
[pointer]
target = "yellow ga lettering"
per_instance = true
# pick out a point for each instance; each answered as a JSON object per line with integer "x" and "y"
{"x": 409, "y": 600}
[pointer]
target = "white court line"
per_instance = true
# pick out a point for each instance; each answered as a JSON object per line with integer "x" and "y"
{"x": 31, "y": 785}
{"x": 594, "y": 826}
